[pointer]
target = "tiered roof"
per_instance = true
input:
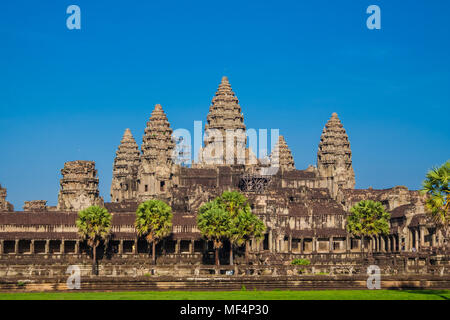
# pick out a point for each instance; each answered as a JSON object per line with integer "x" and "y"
{"x": 225, "y": 117}
{"x": 157, "y": 143}
{"x": 282, "y": 156}
{"x": 334, "y": 154}
{"x": 225, "y": 112}
{"x": 127, "y": 156}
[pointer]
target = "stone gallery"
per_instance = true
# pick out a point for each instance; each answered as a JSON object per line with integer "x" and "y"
{"x": 304, "y": 211}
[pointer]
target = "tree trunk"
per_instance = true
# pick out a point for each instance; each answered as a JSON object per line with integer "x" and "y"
{"x": 154, "y": 252}
{"x": 217, "y": 256}
{"x": 362, "y": 244}
{"x": 94, "y": 260}
{"x": 246, "y": 252}
{"x": 231, "y": 254}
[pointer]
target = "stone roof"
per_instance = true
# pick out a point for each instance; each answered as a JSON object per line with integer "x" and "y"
{"x": 401, "y": 211}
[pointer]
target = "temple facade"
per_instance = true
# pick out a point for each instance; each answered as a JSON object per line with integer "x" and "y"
{"x": 304, "y": 211}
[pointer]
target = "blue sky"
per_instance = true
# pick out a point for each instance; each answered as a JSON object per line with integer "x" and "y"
{"x": 69, "y": 94}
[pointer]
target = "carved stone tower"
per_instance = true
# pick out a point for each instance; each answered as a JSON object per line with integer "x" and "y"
{"x": 282, "y": 156}
{"x": 155, "y": 171}
{"x": 334, "y": 157}
{"x": 225, "y": 139}
{"x": 4, "y": 205}
{"x": 79, "y": 186}
{"x": 125, "y": 170}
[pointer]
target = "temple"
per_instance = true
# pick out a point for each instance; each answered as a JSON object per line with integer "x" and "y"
{"x": 304, "y": 210}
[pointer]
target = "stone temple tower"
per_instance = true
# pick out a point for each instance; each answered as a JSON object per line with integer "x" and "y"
{"x": 155, "y": 169}
{"x": 79, "y": 186}
{"x": 4, "y": 205}
{"x": 281, "y": 156}
{"x": 125, "y": 170}
{"x": 334, "y": 157}
{"x": 225, "y": 130}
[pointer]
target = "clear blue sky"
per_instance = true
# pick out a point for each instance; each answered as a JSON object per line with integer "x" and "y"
{"x": 69, "y": 94}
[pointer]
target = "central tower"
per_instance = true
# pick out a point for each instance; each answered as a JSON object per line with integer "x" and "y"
{"x": 225, "y": 136}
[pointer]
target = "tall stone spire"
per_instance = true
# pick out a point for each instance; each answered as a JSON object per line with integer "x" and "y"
{"x": 334, "y": 157}
{"x": 157, "y": 143}
{"x": 224, "y": 129}
{"x": 282, "y": 156}
{"x": 126, "y": 164}
{"x": 155, "y": 169}
{"x": 225, "y": 111}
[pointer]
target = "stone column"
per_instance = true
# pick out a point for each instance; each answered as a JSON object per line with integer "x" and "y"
{"x": 383, "y": 244}
{"x": 422, "y": 236}
{"x": 32, "y": 247}
{"x": 440, "y": 240}
{"x": 302, "y": 242}
{"x": 270, "y": 241}
{"x": 290, "y": 244}
{"x": 61, "y": 247}
{"x": 191, "y": 247}
{"x": 47, "y": 246}
{"x": 2, "y": 246}
{"x": 16, "y": 246}
{"x": 347, "y": 243}
{"x": 389, "y": 248}
{"x": 120, "y": 246}
{"x": 407, "y": 240}
{"x": 416, "y": 233}
{"x": 177, "y": 246}
{"x": 433, "y": 239}
{"x": 410, "y": 240}
{"x": 314, "y": 244}
{"x": 135, "y": 248}
{"x": 77, "y": 247}
{"x": 330, "y": 244}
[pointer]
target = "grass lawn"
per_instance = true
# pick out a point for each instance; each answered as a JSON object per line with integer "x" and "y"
{"x": 237, "y": 295}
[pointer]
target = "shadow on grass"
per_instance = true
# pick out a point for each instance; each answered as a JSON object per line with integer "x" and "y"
{"x": 444, "y": 294}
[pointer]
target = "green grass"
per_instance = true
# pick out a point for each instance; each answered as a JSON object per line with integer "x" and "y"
{"x": 237, "y": 295}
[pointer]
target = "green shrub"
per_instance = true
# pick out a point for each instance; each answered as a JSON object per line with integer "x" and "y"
{"x": 301, "y": 262}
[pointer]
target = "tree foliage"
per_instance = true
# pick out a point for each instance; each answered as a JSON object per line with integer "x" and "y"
{"x": 94, "y": 225}
{"x": 154, "y": 222}
{"x": 368, "y": 218}
{"x": 237, "y": 223}
{"x": 436, "y": 189}
{"x": 215, "y": 224}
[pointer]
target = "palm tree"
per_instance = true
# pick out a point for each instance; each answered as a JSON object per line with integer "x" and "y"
{"x": 437, "y": 203}
{"x": 234, "y": 203}
{"x": 215, "y": 224}
{"x": 248, "y": 226}
{"x": 94, "y": 225}
{"x": 154, "y": 221}
{"x": 368, "y": 218}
